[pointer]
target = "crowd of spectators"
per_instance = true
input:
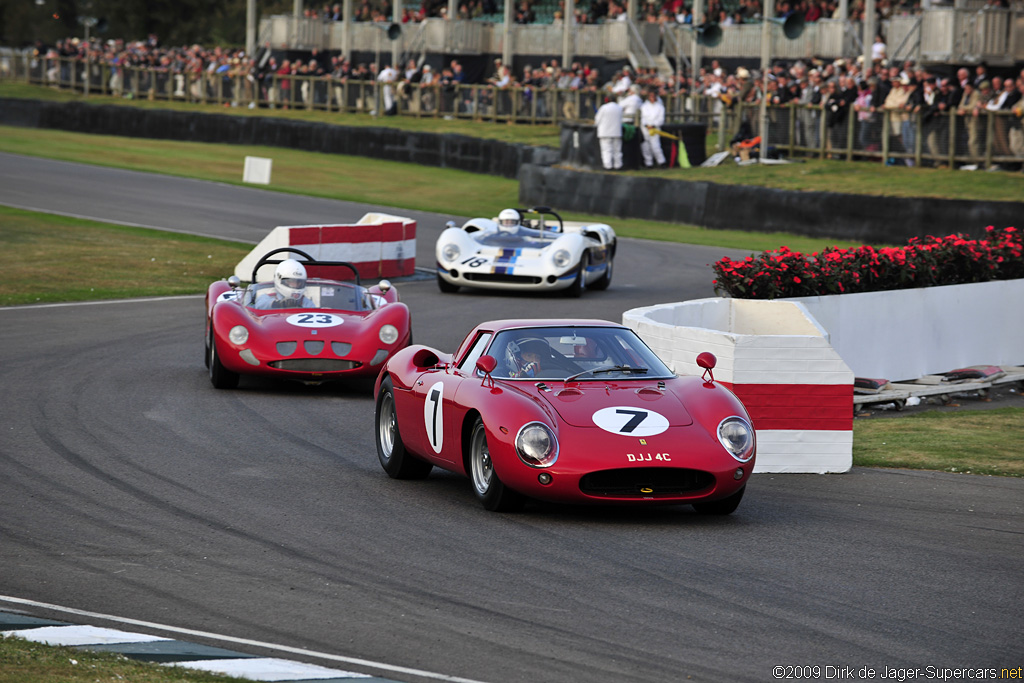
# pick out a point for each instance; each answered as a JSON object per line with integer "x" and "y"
{"x": 827, "y": 91}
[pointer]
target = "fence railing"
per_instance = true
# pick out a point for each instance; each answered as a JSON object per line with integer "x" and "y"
{"x": 985, "y": 139}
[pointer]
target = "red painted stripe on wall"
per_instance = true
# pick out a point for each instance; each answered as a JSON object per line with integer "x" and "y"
{"x": 797, "y": 406}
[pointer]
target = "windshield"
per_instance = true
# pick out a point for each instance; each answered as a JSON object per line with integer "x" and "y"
{"x": 318, "y": 294}
{"x": 574, "y": 353}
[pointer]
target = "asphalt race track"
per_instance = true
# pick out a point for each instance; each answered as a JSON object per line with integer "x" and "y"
{"x": 130, "y": 487}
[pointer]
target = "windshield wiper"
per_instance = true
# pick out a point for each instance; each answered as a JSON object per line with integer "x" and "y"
{"x": 608, "y": 368}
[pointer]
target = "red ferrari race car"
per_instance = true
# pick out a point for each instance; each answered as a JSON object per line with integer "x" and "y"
{"x": 577, "y": 411}
{"x": 309, "y": 329}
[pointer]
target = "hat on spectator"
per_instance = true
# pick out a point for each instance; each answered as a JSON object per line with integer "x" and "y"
{"x": 904, "y": 80}
{"x": 985, "y": 85}
{"x": 742, "y": 73}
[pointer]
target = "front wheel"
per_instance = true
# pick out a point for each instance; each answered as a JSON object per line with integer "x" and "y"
{"x": 396, "y": 461}
{"x": 606, "y": 279}
{"x": 489, "y": 490}
{"x": 725, "y": 506}
{"x": 220, "y": 376}
{"x": 580, "y": 283}
{"x": 445, "y": 286}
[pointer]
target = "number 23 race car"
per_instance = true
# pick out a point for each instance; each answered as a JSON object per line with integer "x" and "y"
{"x": 521, "y": 250}
{"x": 569, "y": 411}
{"x": 313, "y": 330}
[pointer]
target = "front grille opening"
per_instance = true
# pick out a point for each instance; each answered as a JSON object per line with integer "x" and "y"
{"x": 646, "y": 482}
{"x": 503, "y": 277}
{"x": 314, "y": 364}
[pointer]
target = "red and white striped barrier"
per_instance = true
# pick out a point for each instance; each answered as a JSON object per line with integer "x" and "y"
{"x": 778, "y": 361}
{"x": 379, "y": 245}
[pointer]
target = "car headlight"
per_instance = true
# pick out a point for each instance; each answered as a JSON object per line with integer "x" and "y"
{"x": 737, "y": 436}
{"x": 238, "y": 335}
{"x": 388, "y": 334}
{"x": 450, "y": 252}
{"x": 536, "y": 445}
{"x": 561, "y": 258}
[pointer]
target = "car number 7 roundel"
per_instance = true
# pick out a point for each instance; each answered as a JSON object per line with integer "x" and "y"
{"x": 630, "y": 421}
{"x": 433, "y": 417}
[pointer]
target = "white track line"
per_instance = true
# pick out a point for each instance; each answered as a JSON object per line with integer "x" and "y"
{"x": 239, "y": 641}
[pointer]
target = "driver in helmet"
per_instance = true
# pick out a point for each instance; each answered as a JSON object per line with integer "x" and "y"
{"x": 508, "y": 221}
{"x": 528, "y": 354}
{"x": 289, "y": 288}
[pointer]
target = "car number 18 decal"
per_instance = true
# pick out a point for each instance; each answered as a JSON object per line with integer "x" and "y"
{"x": 315, "y": 319}
{"x": 629, "y": 421}
{"x": 433, "y": 417}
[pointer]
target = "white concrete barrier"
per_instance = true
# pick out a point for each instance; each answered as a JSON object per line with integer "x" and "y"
{"x": 379, "y": 245}
{"x": 904, "y": 334}
{"x": 778, "y": 361}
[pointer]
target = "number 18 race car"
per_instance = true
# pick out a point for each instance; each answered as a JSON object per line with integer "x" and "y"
{"x": 521, "y": 250}
{"x": 576, "y": 411}
{"x": 312, "y": 330}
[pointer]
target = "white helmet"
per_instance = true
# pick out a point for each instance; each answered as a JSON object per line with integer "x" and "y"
{"x": 508, "y": 219}
{"x": 290, "y": 279}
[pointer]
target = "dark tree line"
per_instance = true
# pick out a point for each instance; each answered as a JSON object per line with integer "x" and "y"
{"x": 174, "y": 22}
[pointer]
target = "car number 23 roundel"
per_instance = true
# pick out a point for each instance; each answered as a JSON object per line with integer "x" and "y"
{"x": 629, "y": 421}
{"x": 311, "y": 319}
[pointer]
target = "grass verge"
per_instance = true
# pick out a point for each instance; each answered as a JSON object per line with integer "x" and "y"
{"x": 100, "y": 261}
{"x": 971, "y": 442}
{"x": 23, "y": 661}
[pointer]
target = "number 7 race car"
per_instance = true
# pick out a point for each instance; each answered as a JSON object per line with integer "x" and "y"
{"x": 576, "y": 411}
{"x": 331, "y": 330}
{"x": 520, "y": 250}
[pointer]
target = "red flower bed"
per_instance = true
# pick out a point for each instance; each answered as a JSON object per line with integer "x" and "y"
{"x": 924, "y": 262}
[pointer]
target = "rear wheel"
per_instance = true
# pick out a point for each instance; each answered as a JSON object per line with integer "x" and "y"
{"x": 725, "y": 506}
{"x": 220, "y": 376}
{"x": 396, "y": 461}
{"x": 445, "y": 286}
{"x": 490, "y": 491}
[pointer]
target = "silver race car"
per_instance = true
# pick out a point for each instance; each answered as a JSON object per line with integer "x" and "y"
{"x": 525, "y": 249}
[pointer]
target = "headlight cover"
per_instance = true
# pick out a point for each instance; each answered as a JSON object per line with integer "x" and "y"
{"x": 450, "y": 252}
{"x": 388, "y": 334}
{"x": 737, "y": 436}
{"x": 561, "y": 258}
{"x": 238, "y": 335}
{"x": 536, "y": 445}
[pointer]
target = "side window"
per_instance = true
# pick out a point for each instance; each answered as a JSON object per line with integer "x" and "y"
{"x": 475, "y": 351}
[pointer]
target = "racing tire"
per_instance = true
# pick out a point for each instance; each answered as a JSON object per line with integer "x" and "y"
{"x": 220, "y": 376}
{"x": 725, "y": 506}
{"x": 445, "y": 286}
{"x": 606, "y": 279}
{"x": 575, "y": 290}
{"x": 206, "y": 347}
{"x": 391, "y": 452}
{"x": 489, "y": 489}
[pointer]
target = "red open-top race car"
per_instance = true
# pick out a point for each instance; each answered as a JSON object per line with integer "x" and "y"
{"x": 578, "y": 411}
{"x": 326, "y": 330}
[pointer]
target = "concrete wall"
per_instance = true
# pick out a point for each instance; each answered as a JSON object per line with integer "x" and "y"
{"x": 461, "y": 152}
{"x": 908, "y": 333}
{"x": 871, "y": 220}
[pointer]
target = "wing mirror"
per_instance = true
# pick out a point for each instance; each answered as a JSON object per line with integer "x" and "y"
{"x": 486, "y": 365}
{"x": 707, "y": 361}
{"x": 234, "y": 282}
{"x": 384, "y": 286}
